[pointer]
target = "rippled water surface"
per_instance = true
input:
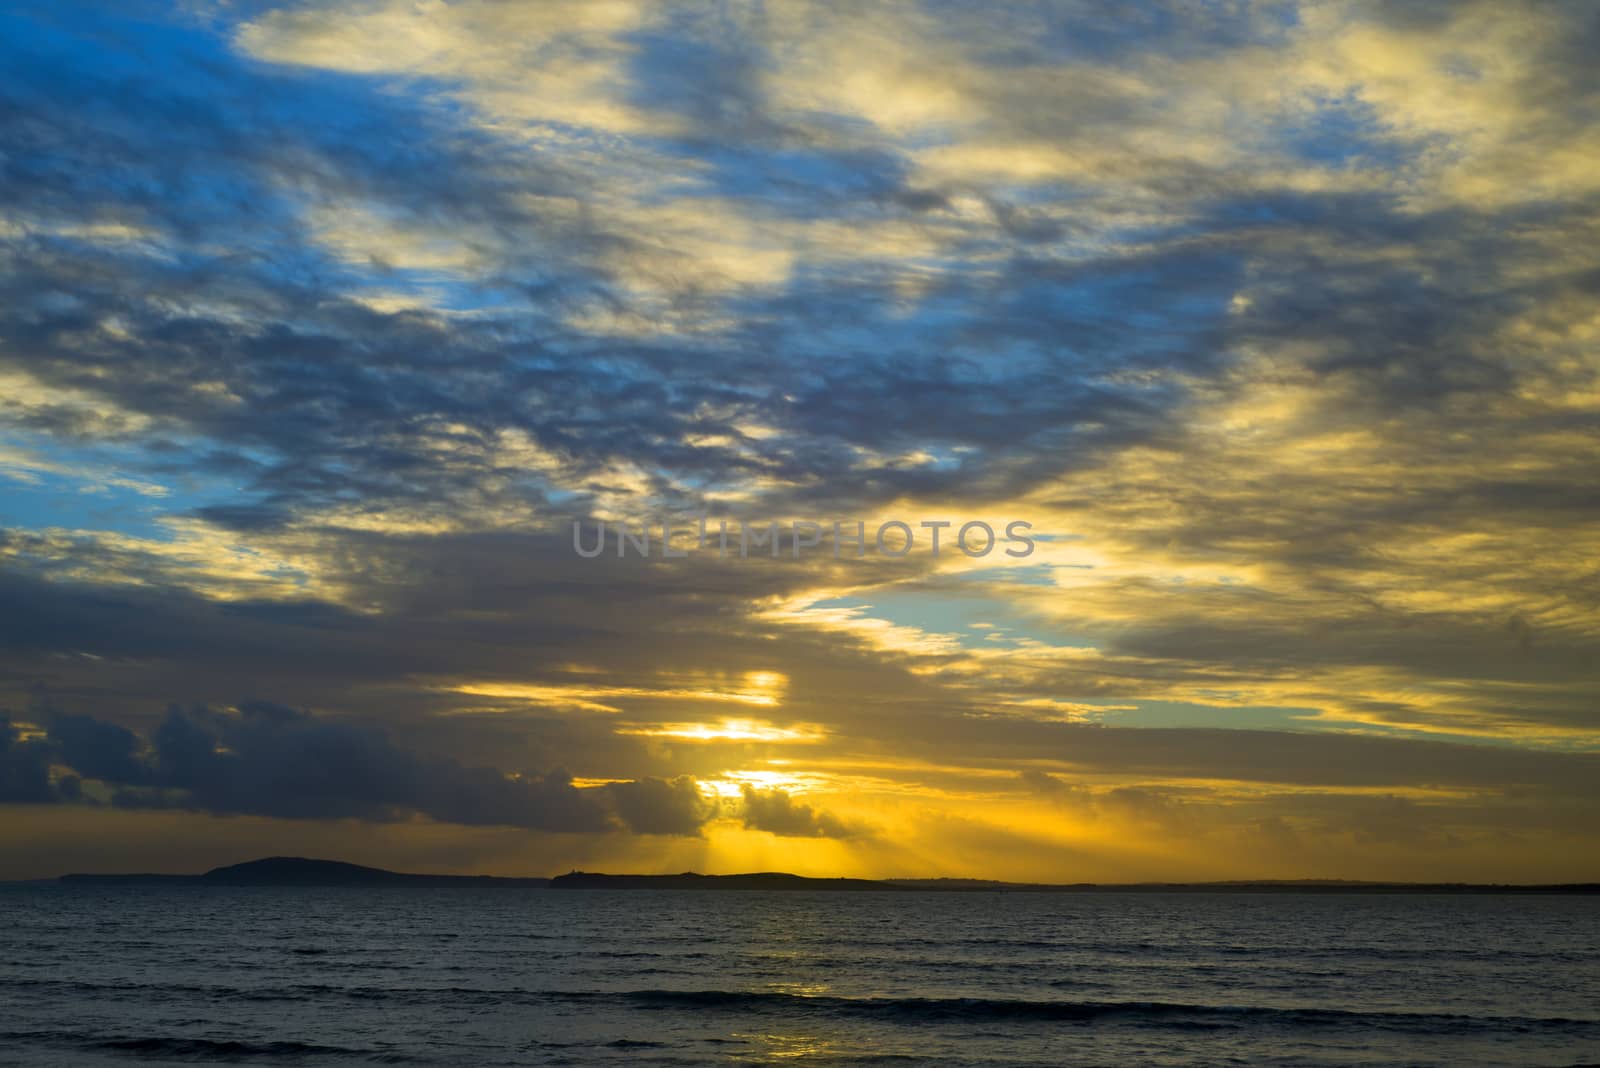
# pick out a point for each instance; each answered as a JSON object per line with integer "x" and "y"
{"x": 118, "y": 975}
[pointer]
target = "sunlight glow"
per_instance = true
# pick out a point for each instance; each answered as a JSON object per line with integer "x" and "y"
{"x": 730, "y": 730}
{"x": 589, "y": 697}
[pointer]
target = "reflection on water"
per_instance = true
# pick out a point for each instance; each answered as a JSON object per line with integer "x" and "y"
{"x": 788, "y": 1046}
{"x": 799, "y": 990}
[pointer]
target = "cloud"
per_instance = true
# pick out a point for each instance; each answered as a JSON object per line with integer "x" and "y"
{"x": 273, "y": 761}
{"x": 777, "y": 812}
{"x": 661, "y": 806}
{"x": 270, "y": 760}
{"x": 24, "y": 768}
{"x": 99, "y": 750}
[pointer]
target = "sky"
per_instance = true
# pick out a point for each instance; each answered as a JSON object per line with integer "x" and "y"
{"x": 323, "y": 323}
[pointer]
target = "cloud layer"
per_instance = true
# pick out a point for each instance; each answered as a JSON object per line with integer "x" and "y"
{"x": 320, "y": 322}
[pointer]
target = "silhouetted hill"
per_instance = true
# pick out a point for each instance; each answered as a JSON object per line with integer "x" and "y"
{"x": 302, "y": 871}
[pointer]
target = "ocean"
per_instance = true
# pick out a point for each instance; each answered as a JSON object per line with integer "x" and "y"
{"x": 346, "y": 976}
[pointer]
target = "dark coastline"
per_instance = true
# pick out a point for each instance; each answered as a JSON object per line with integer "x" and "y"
{"x": 781, "y": 881}
{"x": 299, "y": 871}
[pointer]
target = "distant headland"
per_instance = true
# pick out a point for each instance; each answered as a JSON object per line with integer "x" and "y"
{"x": 305, "y": 872}
{"x": 301, "y": 871}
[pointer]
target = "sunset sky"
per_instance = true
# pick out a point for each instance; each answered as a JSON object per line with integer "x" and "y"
{"x": 321, "y": 323}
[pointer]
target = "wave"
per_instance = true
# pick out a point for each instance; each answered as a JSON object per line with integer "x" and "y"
{"x": 916, "y": 1009}
{"x": 204, "y": 1050}
{"x": 908, "y": 1010}
{"x": 210, "y": 1050}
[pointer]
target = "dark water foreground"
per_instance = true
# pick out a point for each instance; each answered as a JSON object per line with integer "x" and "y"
{"x": 183, "y": 974}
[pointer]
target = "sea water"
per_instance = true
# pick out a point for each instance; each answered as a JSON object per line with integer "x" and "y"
{"x": 183, "y": 974}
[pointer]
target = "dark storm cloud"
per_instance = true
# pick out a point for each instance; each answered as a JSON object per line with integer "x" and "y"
{"x": 269, "y": 760}
{"x": 99, "y": 750}
{"x": 273, "y": 761}
{"x": 661, "y": 806}
{"x": 777, "y": 811}
{"x": 24, "y": 768}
